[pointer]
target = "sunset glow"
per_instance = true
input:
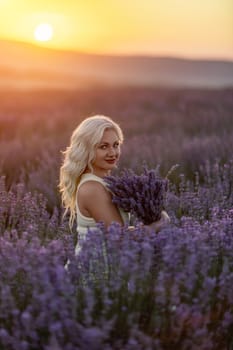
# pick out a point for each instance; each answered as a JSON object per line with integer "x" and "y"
{"x": 170, "y": 27}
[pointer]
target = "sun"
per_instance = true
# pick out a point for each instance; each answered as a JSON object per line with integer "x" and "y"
{"x": 43, "y": 32}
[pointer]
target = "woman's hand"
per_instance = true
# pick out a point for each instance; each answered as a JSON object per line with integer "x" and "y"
{"x": 157, "y": 225}
{"x": 164, "y": 221}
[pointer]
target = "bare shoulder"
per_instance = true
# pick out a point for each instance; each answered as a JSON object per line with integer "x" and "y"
{"x": 96, "y": 201}
{"x": 93, "y": 188}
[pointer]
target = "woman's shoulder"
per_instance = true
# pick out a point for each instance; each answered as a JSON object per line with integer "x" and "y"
{"x": 91, "y": 184}
{"x": 93, "y": 192}
{"x": 89, "y": 177}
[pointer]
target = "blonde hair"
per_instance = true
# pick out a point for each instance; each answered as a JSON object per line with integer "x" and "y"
{"x": 79, "y": 156}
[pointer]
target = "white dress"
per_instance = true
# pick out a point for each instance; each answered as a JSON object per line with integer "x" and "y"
{"x": 83, "y": 222}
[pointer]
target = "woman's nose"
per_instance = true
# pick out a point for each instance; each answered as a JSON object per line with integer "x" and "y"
{"x": 111, "y": 151}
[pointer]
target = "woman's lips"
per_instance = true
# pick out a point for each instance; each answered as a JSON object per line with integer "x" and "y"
{"x": 111, "y": 161}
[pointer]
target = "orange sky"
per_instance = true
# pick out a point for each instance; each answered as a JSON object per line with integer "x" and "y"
{"x": 188, "y": 28}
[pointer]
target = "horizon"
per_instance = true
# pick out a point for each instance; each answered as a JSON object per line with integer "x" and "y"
{"x": 117, "y": 55}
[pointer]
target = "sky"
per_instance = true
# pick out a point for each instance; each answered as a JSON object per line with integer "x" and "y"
{"x": 182, "y": 28}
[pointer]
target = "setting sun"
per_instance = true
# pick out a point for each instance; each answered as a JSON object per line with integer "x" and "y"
{"x": 194, "y": 29}
{"x": 43, "y": 32}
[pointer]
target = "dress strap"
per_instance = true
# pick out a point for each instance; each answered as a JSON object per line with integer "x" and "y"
{"x": 90, "y": 177}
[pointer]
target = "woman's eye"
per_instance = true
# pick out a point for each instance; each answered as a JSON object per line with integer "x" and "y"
{"x": 116, "y": 145}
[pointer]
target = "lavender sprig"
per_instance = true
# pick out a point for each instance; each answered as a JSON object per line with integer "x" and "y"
{"x": 141, "y": 195}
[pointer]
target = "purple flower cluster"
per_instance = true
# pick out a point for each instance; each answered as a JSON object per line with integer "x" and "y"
{"x": 127, "y": 289}
{"x": 141, "y": 195}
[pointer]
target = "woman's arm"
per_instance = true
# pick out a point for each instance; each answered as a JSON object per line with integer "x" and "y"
{"x": 97, "y": 203}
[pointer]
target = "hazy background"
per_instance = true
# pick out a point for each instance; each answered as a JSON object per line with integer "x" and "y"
{"x": 108, "y": 42}
{"x": 200, "y": 28}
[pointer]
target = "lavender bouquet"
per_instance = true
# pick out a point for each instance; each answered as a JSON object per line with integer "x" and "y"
{"x": 142, "y": 195}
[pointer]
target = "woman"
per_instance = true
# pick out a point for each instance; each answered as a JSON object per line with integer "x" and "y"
{"x": 93, "y": 152}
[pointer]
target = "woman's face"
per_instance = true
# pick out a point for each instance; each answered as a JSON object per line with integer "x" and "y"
{"x": 107, "y": 153}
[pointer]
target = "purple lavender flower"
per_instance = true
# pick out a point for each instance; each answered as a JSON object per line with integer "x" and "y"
{"x": 141, "y": 195}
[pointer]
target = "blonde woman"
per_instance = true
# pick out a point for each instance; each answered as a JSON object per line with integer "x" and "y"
{"x": 94, "y": 151}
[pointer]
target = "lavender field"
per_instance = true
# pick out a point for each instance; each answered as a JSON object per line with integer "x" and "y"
{"x": 171, "y": 290}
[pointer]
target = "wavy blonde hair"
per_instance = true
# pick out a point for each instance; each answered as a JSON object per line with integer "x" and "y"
{"x": 79, "y": 156}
